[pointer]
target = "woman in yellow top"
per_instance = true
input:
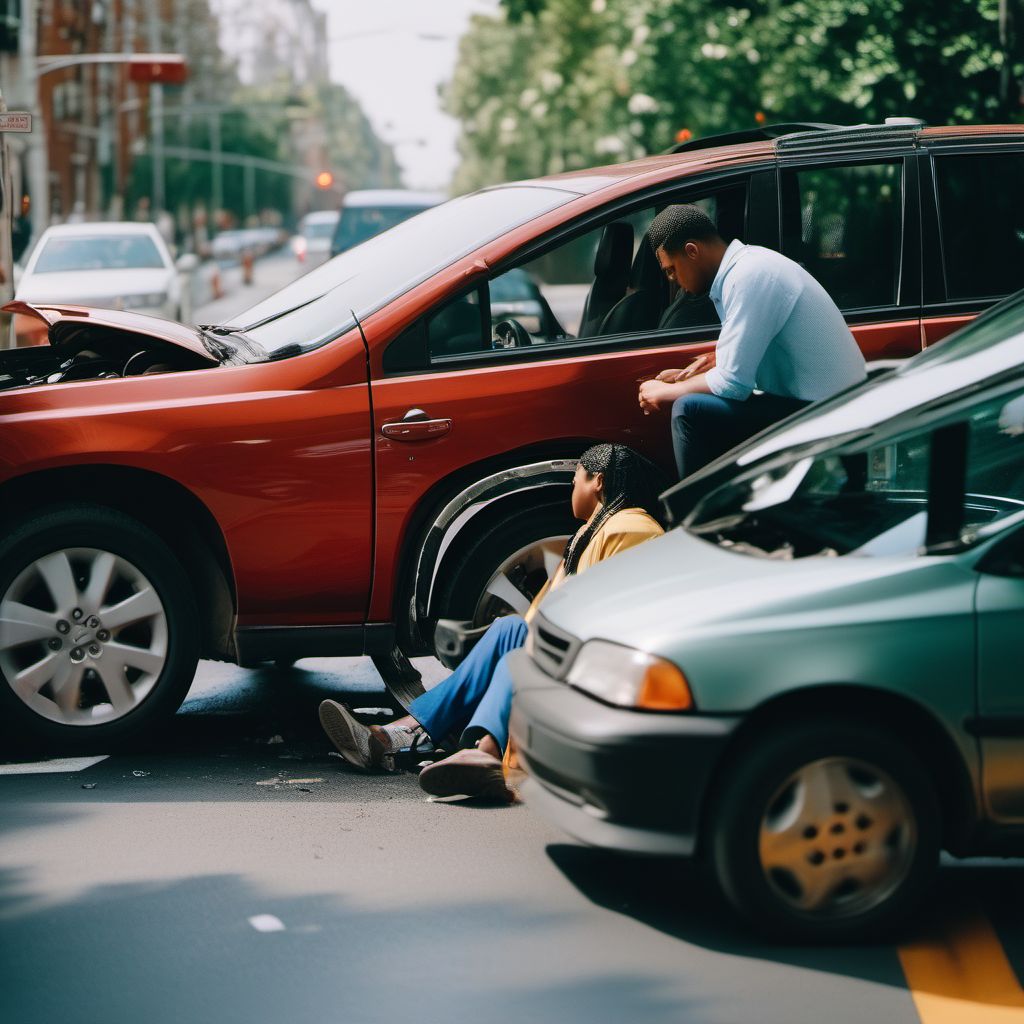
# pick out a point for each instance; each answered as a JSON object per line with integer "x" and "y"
{"x": 614, "y": 492}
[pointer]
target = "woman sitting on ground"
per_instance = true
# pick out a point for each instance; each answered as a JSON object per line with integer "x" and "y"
{"x": 614, "y": 491}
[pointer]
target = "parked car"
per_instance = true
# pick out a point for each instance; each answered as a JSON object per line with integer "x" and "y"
{"x": 813, "y": 682}
{"x": 362, "y": 453}
{"x": 312, "y": 242}
{"x": 368, "y": 212}
{"x": 118, "y": 265}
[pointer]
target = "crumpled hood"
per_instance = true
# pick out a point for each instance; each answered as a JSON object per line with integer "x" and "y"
{"x": 62, "y": 320}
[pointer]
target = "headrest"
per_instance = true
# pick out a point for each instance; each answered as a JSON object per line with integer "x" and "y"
{"x": 647, "y": 272}
{"x": 615, "y": 250}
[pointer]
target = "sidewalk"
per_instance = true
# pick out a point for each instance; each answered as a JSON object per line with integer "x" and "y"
{"x": 270, "y": 273}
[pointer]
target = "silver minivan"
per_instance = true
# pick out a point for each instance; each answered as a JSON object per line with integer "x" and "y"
{"x": 815, "y": 681}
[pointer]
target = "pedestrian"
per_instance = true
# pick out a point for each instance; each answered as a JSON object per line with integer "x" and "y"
{"x": 615, "y": 492}
{"x": 783, "y": 343}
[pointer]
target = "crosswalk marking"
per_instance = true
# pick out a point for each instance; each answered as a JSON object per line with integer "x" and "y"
{"x": 960, "y": 973}
{"x": 59, "y": 764}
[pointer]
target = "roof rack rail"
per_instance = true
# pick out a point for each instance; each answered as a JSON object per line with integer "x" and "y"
{"x": 765, "y": 133}
{"x": 895, "y": 131}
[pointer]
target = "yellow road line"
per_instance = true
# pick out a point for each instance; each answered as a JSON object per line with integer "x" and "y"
{"x": 960, "y": 975}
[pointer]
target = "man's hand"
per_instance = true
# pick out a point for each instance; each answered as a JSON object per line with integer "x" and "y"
{"x": 654, "y": 394}
{"x": 669, "y": 376}
{"x": 700, "y": 365}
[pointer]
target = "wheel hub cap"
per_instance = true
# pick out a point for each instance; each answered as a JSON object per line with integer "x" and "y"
{"x": 83, "y": 636}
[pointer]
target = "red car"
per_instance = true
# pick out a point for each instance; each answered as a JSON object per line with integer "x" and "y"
{"x": 390, "y": 439}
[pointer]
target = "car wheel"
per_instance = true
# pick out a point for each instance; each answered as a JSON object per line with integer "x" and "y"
{"x": 825, "y": 830}
{"x": 99, "y": 633}
{"x": 505, "y": 566}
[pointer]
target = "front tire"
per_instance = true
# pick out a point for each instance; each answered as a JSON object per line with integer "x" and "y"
{"x": 99, "y": 632}
{"x": 825, "y": 831}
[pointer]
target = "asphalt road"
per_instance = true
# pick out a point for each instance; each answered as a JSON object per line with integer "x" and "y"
{"x": 236, "y": 871}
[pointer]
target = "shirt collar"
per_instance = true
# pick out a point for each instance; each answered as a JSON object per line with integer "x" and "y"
{"x": 732, "y": 253}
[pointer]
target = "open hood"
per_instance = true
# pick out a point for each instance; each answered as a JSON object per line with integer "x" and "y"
{"x": 65, "y": 321}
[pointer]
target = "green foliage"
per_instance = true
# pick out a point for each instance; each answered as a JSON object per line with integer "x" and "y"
{"x": 552, "y": 85}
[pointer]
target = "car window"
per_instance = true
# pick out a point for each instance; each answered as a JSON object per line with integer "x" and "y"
{"x": 100, "y": 252}
{"x": 981, "y": 206}
{"x": 603, "y": 283}
{"x": 844, "y": 225}
{"x": 995, "y": 460}
{"x": 358, "y": 223}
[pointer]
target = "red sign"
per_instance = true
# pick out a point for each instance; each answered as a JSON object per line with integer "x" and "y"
{"x": 157, "y": 69}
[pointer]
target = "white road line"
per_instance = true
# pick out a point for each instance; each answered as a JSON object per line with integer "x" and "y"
{"x": 60, "y": 764}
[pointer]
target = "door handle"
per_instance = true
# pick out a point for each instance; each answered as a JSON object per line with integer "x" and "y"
{"x": 416, "y": 425}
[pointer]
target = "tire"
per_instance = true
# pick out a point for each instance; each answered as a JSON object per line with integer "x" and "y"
{"x": 463, "y": 593}
{"x": 847, "y": 782}
{"x": 146, "y": 651}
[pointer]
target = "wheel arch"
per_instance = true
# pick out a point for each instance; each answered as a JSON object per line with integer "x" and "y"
{"x": 168, "y": 508}
{"x": 910, "y": 721}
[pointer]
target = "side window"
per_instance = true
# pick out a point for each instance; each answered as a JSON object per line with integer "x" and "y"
{"x": 844, "y": 226}
{"x": 981, "y": 207}
{"x": 995, "y": 460}
{"x": 603, "y": 283}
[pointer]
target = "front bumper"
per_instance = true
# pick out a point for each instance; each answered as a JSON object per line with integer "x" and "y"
{"x": 620, "y": 779}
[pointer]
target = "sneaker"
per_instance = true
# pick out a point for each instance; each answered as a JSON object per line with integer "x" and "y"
{"x": 469, "y": 772}
{"x": 350, "y": 737}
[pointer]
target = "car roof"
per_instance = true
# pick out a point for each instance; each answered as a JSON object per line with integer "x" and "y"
{"x": 320, "y": 217}
{"x": 391, "y": 197}
{"x": 116, "y": 227}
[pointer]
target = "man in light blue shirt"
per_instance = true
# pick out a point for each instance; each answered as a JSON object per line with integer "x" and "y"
{"x": 782, "y": 335}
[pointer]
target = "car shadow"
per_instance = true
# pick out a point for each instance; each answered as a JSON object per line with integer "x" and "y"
{"x": 681, "y": 900}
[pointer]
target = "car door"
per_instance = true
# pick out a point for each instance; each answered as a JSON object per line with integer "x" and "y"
{"x": 451, "y": 400}
{"x": 973, "y": 230}
{"x": 853, "y": 224}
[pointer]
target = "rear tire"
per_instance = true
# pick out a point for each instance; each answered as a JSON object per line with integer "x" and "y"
{"x": 120, "y": 657}
{"x": 825, "y": 830}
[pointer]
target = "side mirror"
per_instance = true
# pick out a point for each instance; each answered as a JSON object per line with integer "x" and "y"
{"x": 188, "y": 263}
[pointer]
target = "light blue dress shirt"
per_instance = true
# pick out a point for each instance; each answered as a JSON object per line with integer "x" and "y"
{"x": 781, "y": 332}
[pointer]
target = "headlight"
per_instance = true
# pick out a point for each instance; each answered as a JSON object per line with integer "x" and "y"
{"x": 629, "y": 678}
{"x": 147, "y": 300}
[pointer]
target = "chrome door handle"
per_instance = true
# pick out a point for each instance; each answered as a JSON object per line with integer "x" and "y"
{"x": 416, "y": 425}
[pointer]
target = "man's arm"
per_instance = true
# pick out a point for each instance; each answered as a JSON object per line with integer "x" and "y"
{"x": 654, "y": 394}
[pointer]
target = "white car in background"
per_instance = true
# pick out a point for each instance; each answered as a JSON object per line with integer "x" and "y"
{"x": 116, "y": 265}
{"x": 312, "y": 244}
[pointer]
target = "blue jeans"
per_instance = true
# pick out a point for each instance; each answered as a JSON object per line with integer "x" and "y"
{"x": 476, "y": 698}
{"x": 706, "y": 426}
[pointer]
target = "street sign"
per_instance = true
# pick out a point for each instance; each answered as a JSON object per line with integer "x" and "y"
{"x": 16, "y": 121}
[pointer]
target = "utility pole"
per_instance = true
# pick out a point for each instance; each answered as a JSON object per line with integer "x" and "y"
{"x": 156, "y": 114}
{"x": 38, "y": 157}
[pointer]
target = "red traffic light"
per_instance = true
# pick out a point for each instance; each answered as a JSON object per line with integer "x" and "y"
{"x": 684, "y": 135}
{"x": 324, "y": 180}
{"x": 157, "y": 69}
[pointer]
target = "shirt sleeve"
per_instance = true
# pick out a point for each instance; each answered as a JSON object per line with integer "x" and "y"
{"x": 621, "y": 540}
{"x": 756, "y": 304}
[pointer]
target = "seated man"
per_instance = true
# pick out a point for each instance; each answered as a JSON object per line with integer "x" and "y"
{"x": 781, "y": 333}
{"x": 614, "y": 491}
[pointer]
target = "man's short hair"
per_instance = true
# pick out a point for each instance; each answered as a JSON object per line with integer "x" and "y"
{"x": 677, "y": 225}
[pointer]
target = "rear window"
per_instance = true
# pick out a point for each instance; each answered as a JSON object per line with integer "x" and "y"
{"x": 358, "y": 223}
{"x": 102, "y": 252}
{"x": 981, "y": 204}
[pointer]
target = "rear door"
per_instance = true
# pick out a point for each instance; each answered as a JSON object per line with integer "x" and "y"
{"x": 973, "y": 230}
{"x": 854, "y": 225}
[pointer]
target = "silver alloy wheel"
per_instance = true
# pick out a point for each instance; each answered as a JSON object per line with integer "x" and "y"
{"x": 519, "y": 579}
{"x": 83, "y": 636}
{"x": 838, "y": 838}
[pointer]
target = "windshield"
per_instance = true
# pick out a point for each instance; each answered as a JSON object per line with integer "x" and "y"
{"x": 871, "y": 499}
{"x": 319, "y": 229}
{"x": 101, "y": 252}
{"x": 319, "y": 307}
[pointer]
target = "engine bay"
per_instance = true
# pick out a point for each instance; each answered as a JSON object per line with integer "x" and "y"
{"x": 94, "y": 352}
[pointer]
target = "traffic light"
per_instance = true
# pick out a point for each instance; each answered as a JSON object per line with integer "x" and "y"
{"x": 324, "y": 180}
{"x": 684, "y": 135}
{"x": 157, "y": 69}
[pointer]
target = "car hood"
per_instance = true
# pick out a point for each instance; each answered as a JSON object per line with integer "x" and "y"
{"x": 64, "y": 320}
{"x": 678, "y": 585}
{"x": 93, "y": 286}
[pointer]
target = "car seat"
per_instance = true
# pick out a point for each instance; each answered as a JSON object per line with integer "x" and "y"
{"x": 641, "y": 308}
{"x": 456, "y": 329}
{"x": 612, "y": 265}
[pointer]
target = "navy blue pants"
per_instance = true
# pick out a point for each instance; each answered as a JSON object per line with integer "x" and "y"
{"x": 476, "y": 698}
{"x": 706, "y": 426}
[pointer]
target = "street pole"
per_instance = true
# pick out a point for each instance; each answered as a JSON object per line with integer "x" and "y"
{"x": 250, "y": 188}
{"x": 156, "y": 112}
{"x": 6, "y": 221}
{"x": 38, "y": 157}
{"x": 218, "y": 167}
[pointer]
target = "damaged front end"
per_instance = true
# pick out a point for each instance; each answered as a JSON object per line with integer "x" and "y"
{"x": 82, "y": 343}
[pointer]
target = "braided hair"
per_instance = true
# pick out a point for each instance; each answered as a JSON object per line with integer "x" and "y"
{"x": 630, "y": 481}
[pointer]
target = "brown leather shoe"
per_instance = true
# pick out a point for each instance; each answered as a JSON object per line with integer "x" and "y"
{"x": 469, "y": 772}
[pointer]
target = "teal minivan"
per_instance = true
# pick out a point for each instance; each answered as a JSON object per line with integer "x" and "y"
{"x": 815, "y": 681}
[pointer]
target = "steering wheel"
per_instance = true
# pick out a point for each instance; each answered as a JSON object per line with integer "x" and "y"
{"x": 510, "y": 334}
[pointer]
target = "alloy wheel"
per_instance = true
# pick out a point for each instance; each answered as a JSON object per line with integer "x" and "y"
{"x": 519, "y": 578}
{"x": 838, "y": 838}
{"x": 83, "y": 636}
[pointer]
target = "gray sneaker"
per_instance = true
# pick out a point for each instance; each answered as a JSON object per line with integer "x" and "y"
{"x": 350, "y": 737}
